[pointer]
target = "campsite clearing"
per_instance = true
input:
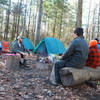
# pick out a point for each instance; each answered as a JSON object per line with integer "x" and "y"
{"x": 33, "y": 84}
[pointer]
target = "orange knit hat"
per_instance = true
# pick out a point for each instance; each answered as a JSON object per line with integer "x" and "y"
{"x": 93, "y": 43}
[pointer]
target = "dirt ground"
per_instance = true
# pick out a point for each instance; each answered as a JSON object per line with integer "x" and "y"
{"x": 33, "y": 84}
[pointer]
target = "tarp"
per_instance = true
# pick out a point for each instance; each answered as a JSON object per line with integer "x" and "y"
{"x": 50, "y": 46}
{"x": 27, "y": 44}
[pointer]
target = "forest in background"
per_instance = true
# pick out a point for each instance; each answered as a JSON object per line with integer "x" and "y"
{"x": 37, "y": 19}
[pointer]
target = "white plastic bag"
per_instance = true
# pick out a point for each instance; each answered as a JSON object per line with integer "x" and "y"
{"x": 52, "y": 76}
{"x": 52, "y": 58}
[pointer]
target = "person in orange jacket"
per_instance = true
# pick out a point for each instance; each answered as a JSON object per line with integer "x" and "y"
{"x": 93, "y": 60}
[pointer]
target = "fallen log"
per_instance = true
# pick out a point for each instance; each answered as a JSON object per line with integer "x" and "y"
{"x": 72, "y": 76}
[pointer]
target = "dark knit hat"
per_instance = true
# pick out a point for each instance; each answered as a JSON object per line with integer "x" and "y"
{"x": 96, "y": 39}
{"x": 78, "y": 31}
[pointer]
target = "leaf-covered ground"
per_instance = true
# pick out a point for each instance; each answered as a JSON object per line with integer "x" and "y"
{"x": 33, "y": 84}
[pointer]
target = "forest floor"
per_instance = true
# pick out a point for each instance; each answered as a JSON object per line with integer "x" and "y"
{"x": 33, "y": 84}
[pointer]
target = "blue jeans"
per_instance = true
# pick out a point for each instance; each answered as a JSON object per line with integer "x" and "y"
{"x": 58, "y": 66}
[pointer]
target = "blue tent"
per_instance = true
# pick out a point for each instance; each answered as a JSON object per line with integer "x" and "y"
{"x": 27, "y": 44}
{"x": 50, "y": 46}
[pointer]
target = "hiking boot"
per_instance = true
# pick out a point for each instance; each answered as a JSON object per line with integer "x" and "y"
{"x": 26, "y": 64}
{"x": 23, "y": 63}
{"x": 91, "y": 84}
{"x": 55, "y": 83}
{"x": 22, "y": 60}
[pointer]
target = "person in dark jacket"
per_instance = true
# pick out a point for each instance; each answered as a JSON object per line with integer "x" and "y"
{"x": 75, "y": 55}
{"x": 19, "y": 49}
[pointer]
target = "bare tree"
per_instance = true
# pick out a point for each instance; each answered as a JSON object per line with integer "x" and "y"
{"x": 13, "y": 28}
{"x": 27, "y": 35}
{"x": 7, "y": 21}
{"x": 60, "y": 28}
{"x": 92, "y": 35}
{"x": 87, "y": 27}
{"x": 19, "y": 13}
{"x": 54, "y": 27}
{"x": 79, "y": 14}
{"x": 38, "y": 24}
{"x": 24, "y": 22}
{"x": 98, "y": 20}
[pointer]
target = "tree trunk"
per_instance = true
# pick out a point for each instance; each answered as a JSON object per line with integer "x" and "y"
{"x": 19, "y": 12}
{"x": 87, "y": 28}
{"x": 34, "y": 26}
{"x": 60, "y": 26}
{"x": 98, "y": 20}
{"x": 2, "y": 19}
{"x": 47, "y": 29}
{"x": 7, "y": 22}
{"x": 79, "y": 14}
{"x": 16, "y": 25}
{"x": 92, "y": 35}
{"x": 13, "y": 28}
{"x": 29, "y": 20}
{"x": 54, "y": 27}
{"x": 38, "y": 24}
{"x": 24, "y": 22}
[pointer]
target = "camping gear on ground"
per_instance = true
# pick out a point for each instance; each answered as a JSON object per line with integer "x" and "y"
{"x": 44, "y": 60}
{"x": 52, "y": 77}
{"x": 4, "y": 47}
{"x": 52, "y": 58}
{"x": 49, "y": 46}
{"x": 27, "y": 44}
{"x": 49, "y": 59}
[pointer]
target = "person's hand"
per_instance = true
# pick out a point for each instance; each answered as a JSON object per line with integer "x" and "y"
{"x": 31, "y": 55}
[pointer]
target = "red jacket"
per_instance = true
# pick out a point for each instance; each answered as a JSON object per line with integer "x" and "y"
{"x": 93, "y": 57}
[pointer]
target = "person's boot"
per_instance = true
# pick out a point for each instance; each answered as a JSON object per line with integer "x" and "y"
{"x": 22, "y": 60}
{"x": 22, "y": 63}
{"x": 26, "y": 65}
{"x": 91, "y": 84}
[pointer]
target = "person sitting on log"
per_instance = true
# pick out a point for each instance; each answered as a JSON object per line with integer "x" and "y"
{"x": 75, "y": 56}
{"x": 93, "y": 60}
{"x": 19, "y": 49}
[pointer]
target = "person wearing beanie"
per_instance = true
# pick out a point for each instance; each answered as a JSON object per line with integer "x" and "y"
{"x": 93, "y": 60}
{"x": 19, "y": 49}
{"x": 97, "y": 40}
{"x": 98, "y": 43}
{"x": 75, "y": 56}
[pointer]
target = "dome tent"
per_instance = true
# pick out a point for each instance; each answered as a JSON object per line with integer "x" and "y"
{"x": 49, "y": 46}
{"x": 27, "y": 44}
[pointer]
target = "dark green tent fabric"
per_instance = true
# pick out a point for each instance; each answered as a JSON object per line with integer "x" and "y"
{"x": 50, "y": 46}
